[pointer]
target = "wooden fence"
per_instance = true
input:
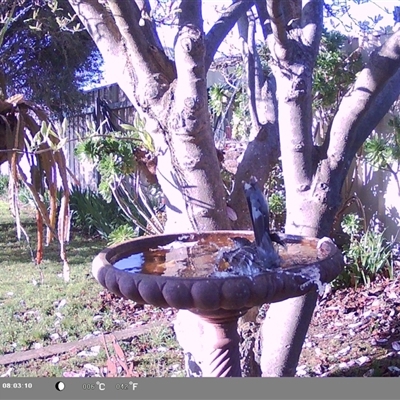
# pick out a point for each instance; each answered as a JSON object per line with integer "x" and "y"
{"x": 91, "y": 114}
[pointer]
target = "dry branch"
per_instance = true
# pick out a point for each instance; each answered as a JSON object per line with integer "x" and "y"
{"x": 61, "y": 348}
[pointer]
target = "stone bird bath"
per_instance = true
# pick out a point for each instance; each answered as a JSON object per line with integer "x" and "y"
{"x": 179, "y": 271}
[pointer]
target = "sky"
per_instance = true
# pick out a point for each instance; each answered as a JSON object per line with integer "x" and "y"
{"x": 211, "y": 12}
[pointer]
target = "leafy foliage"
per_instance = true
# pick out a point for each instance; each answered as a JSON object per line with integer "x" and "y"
{"x": 20, "y": 133}
{"x": 219, "y": 95}
{"x": 337, "y": 9}
{"x": 384, "y": 152}
{"x": 352, "y": 225}
{"x": 118, "y": 157}
{"x": 46, "y": 41}
{"x": 334, "y": 72}
{"x": 91, "y": 214}
{"x": 241, "y": 122}
{"x": 4, "y": 181}
{"x": 276, "y": 197}
{"x": 228, "y": 102}
{"x": 112, "y": 154}
{"x": 367, "y": 254}
{"x": 121, "y": 234}
{"x": 378, "y": 153}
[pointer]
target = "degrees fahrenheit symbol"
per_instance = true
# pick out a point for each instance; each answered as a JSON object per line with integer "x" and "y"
{"x": 133, "y": 384}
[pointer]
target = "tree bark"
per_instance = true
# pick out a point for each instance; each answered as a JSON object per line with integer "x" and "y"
{"x": 171, "y": 97}
{"x": 314, "y": 175}
{"x": 297, "y": 314}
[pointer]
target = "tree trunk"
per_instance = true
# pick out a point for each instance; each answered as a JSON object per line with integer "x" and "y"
{"x": 172, "y": 98}
{"x": 314, "y": 175}
{"x": 294, "y": 52}
{"x": 281, "y": 348}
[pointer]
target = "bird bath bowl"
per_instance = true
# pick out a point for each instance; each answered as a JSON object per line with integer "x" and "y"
{"x": 179, "y": 271}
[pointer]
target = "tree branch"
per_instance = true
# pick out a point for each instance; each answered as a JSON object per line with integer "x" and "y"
{"x": 258, "y": 159}
{"x": 104, "y": 31}
{"x": 261, "y": 153}
{"x": 115, "y": 29}
{"x": 278, "y": 22}
{"x": 225, "y": 23}
{"x": 255, "y": 67}
{"x": 142, "y": 48}
{"x": 366, "y": 103}
{"x": 261, "y": 7}
{"x": 156, "y": 47}
{"x": 191, "y": 13}
{"x": 247, "y": 33}
{"x": 312, "y": 22}
{"x": 189, "y": 136}
{"x": 100, "y": 25}
{"x": 190, "y": 49}
{"x": 148, "y": 27}
{"x": 377, "y": 110}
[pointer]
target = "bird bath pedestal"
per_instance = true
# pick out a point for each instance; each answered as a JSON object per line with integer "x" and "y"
{"x": 155, "y": 270}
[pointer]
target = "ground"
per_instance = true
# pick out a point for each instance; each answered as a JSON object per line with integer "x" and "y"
{"x": 354, "y": 332}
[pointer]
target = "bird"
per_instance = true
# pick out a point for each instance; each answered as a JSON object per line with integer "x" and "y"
{"x": 259, "y": 214}
{"x": 260, "y": 254}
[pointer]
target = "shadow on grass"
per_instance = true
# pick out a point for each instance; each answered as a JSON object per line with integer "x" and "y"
{"x": 375, "y": 368}
{"x": 79, "y": 250}
{"x": 380, "y": 365}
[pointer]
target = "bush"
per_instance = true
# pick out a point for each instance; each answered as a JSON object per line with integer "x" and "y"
{"x": 276, "y": 197}
{"x": 121, "y": 234}
{"x": 367, "y": 255}
{"x": 92, "y": 214}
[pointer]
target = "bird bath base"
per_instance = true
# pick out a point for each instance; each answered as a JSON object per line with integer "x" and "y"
{"x": 210, "y": 304}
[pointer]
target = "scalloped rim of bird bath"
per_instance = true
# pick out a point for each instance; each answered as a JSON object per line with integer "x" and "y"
{"x": 213, "y": 294}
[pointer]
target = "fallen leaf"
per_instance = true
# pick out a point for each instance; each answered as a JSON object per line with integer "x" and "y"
{"x": 396, "y": 346}
{"x": 344, "y": 351}
{"x": 362, "y": 360}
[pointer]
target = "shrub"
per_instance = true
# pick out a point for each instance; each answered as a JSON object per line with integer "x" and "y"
{"x": 276, "y": 197}
{"x": 121, "y": 234}
{"x": 367, "y": 255}
{"x": 92, "y": 214}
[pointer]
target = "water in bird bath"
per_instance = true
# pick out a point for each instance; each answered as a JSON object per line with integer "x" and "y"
{"x": 204, "y": 258}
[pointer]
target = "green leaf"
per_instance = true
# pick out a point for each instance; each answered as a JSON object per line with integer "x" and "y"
{"x": 147, "y": 141}
{"x": 61, "y": 143}
{"x": 128, "y": 127}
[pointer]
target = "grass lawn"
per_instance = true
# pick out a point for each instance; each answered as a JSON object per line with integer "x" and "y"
{"x": 354, "y": 332}
{"x": 37, "y": 308}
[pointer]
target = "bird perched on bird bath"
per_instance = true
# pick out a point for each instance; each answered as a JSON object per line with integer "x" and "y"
{"x": 249, "y": 257}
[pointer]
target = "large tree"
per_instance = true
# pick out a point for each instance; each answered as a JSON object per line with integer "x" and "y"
{"x": 44, "y": 55}
{"x": 172, "y": 97}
